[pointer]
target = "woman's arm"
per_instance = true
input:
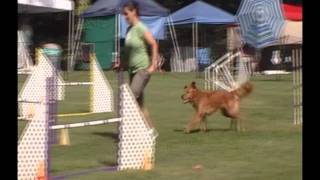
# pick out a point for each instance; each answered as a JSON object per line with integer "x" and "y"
{"x": 154, "y": 51}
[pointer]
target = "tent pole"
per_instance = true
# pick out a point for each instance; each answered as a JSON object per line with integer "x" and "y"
{"x": 193, "y": 42}
{"x": 77, "y": 39}
{"x": 119, "y": 34}
{"x": 72, "y": 39}
{"x": 196, "y": 51}
{"x": 258, "y": 59}
{"x": 177, "y": 57}
{"x": 69, "y": 44}
{"x": 115, "y": 36}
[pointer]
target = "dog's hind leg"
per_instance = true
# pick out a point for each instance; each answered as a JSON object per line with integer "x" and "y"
{"x": 242, "y": 128}
{"x": 238, "y": 124}
{"x": 233, "y": 111}
{"x": 232, "y": 123}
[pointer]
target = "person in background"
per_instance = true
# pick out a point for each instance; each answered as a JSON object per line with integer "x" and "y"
{"x": 249, "y": 52}
{"x": 27, "y": 31}
{"x": 53, "y": 51}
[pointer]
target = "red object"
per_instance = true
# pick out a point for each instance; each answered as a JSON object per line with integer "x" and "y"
{"x": 292, "y": 12}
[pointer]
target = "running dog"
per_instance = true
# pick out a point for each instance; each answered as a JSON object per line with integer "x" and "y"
{"x": 208, "y": 102}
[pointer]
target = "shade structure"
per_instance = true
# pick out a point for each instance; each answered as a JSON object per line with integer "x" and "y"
{"x": 292, "y": 12}
{"x": 49, "y": 6}
{"x": 44, "y": 6}
{"x": 196, "y": 13}
{"x": 112, "y": 7}
{"x": 154, "y": 23}
{"x": 292, "y": 33}
{"x": 152, "y": 14}
{"x": 261, "y": 22}
{"x": 202, "y": 13}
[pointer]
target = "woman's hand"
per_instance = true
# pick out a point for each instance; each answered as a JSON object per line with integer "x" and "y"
{"x": 151, "y": 69}
{"x": 116, "y": 65}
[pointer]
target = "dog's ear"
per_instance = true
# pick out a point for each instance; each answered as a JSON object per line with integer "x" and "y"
{"x": 193, "y": 84}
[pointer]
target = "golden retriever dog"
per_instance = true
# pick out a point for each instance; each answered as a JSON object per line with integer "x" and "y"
{"x": 208, "y": 102}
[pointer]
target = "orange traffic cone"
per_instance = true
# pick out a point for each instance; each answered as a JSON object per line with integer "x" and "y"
{"x": 147, "y": 161}
{"x": 64, "y": 137}
{"x": 41, "y": 175}
{"x": 29, "y": 111}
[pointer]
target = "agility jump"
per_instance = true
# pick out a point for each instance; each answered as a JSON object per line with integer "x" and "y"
{"x": 136, "y": 145}
{"x": 101, "y": 94}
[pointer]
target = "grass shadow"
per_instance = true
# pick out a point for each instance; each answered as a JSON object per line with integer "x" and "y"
{"x": 111, "y": 135}
{"x": 220, "y": 129}
{"x": 276, "y": 80}
{"x": 108, "y": 163}
{"x": 208, "y": 130}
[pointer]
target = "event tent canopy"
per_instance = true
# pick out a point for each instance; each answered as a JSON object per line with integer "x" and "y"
{"x": 111, "y": 7}
{"x": 47, "y": 6}
{"x": 44, "y": 6}
{"x": 292, "y": 12}
{"x": 198, "y": 12}
{"x": 202, "y": 13}
{"x": 292, "y": 33}
{"x": 151, "y": 14}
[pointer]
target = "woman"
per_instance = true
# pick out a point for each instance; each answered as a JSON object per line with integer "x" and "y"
{"x": 137, "y": 42}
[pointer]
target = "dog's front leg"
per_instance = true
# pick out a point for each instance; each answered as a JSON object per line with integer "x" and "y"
{"x": 196, "y": 120}
{"x": 187, "y": 129}
{"x": 204, "y": 125}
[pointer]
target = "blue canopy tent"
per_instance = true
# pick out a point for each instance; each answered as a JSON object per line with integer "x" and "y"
{"x": 104, "y": 25}
{"x": 112, "y": 7}
{"x": 200, "y": 12}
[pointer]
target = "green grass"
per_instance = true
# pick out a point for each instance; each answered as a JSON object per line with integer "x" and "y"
{"x": 270, "y": 149}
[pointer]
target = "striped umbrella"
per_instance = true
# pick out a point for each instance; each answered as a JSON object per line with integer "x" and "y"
{"x": 261, "y": 22}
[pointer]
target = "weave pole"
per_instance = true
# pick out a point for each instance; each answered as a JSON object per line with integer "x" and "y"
{"x": 227, "y": 72}
{"x": 297, "y": 86}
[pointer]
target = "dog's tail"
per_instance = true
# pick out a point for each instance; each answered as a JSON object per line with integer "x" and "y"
{"x": 244, "y": 90}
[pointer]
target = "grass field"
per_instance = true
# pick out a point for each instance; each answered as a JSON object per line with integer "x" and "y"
{"x": 270, "y": 149}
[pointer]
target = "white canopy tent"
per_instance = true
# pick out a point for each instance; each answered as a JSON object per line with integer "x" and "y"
{"x": 292, "y": 33}
{"x": 50, "y": 6}
{"x": 44, "y": 6}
